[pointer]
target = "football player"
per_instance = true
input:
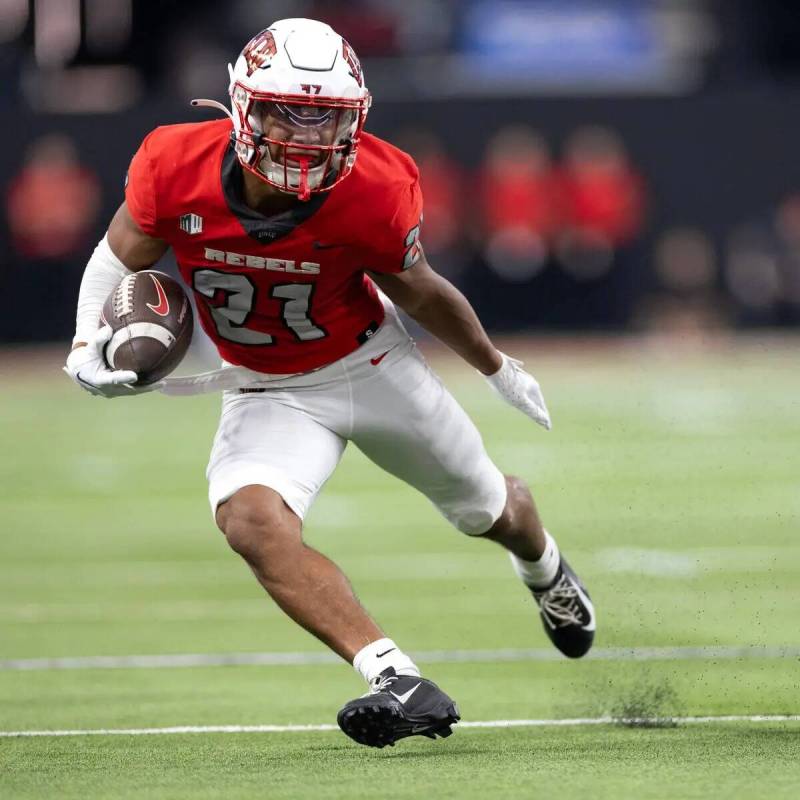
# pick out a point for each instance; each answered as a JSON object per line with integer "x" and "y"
{"x": 299, "y": 234}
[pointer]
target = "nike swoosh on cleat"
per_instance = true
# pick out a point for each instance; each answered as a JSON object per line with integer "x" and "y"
{"x": 403, "y": 698}
{"x": 421, "y": 728}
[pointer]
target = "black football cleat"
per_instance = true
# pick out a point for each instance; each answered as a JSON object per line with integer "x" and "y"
{"x": 398, "y": 706}
{"x": 567, "y": 612}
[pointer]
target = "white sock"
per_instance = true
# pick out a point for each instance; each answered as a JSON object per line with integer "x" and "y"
{"x": 539, "y": 574}
{"x": 371, "y": 660}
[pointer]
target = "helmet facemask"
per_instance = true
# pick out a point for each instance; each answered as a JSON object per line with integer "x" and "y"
{"x": 299, "y": 144}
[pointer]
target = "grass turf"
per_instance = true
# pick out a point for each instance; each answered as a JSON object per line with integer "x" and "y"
{"x": 670, "y": 479}
{"x": 745, "y": 761}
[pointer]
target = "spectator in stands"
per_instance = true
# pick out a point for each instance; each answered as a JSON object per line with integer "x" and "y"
{"x": 603, "y": 201}
{"x": 787, "y": 225}
{"x": 762, "y": 268}
{"x": 516, "y": 196}
{"x": 686, "y": 296}
{"x": 52, "y": 202}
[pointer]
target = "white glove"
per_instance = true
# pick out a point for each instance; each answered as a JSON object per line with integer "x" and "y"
{"x": 521, "y": 390}
{"x": 87, "y": 367}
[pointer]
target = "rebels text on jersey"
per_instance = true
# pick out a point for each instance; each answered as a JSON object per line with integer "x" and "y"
{"x": 288, "y": 293}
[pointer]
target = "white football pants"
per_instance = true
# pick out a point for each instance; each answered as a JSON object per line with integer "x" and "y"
{"x": 386, "y": 400}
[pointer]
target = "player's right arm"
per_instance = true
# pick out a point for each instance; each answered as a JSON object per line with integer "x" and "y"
{"x": 125, "y": 249}
{"x": 132, "y": 246}
{"x": 131, "y": 250}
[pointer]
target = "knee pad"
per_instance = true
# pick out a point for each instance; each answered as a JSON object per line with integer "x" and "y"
{"x": 475, "y": 523}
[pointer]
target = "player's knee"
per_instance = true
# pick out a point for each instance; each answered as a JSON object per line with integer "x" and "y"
{"x": 254, "y": 522}
{"x": 475, "y": 523}
{"x": 474, "y": 505}
{"x": 517, "y": 510}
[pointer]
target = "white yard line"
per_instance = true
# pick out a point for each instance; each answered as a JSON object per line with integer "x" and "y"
{"x": 495, "y": 723}
{"x": 171, "y": 661}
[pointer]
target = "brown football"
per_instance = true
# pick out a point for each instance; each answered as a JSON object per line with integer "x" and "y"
{"x": 152, "y": 322}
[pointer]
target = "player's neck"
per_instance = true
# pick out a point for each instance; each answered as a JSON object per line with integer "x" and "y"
{"x": 265, "y": 199}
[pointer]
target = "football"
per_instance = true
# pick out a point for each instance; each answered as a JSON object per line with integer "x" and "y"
{"x": 151, "y": 319}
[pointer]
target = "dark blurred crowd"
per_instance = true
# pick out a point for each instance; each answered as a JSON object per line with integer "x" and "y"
{"x": 681, "y": 209}
{"x": 538, "y": 234}
{"x": 523, "y": 209}
{"x": 532, "y": 235}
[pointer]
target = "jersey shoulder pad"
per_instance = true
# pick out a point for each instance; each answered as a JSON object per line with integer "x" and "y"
{"x": 174, "y": 166}
{"x": 390, "y": 205}
{"x": 175, "y": 145}
{"x": 383, "y": 181}
{"x": 383, "y": 166}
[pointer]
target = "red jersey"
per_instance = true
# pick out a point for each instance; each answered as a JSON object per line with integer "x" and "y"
{"x": 279, "y": 294}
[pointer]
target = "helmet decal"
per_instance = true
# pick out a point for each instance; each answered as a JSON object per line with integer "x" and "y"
{"x": 352, "y": 61}
{"x": 260, "y": 49}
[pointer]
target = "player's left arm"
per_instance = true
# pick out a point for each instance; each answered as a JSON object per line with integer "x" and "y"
{"x": 442, "y": 309}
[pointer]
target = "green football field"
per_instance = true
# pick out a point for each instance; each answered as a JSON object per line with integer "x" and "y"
{"x": 671, "y": 480}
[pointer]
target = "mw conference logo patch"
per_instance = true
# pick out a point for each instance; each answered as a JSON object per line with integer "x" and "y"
{"x": 191, "y": 224}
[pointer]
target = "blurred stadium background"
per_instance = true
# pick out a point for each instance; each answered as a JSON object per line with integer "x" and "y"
{"x": 660, "y": 187}
{"x": 615, "y": 186}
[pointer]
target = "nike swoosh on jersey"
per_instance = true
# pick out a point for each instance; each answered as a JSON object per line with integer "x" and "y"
{"x": 162, "y": 307}
{"x": 403, "y": 698}
{"x": 322, "y": 246}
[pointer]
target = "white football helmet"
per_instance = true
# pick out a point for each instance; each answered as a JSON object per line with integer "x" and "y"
{"x": 299, "y": 104}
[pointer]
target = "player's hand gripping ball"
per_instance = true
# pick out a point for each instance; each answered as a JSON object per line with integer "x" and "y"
{"x": 151, "y": 326}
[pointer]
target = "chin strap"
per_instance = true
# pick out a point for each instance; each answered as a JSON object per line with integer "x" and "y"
{"x": 212, "y": 104}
